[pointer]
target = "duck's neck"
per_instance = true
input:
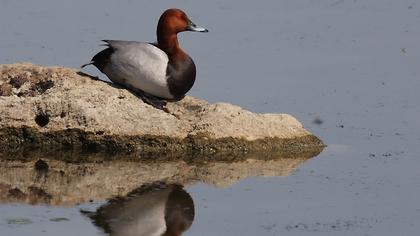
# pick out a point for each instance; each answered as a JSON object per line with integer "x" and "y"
{"x": 169, "y": 44}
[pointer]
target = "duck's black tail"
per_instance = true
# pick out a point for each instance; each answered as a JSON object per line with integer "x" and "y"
{"x": 101, "y": 59}
{"x": 84, "y": 65}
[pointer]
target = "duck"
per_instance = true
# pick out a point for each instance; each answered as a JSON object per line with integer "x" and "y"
{"x": 157, "y": 72}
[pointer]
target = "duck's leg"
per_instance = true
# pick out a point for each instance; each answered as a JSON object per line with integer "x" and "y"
{"x": 153, "y": 101}
{"x": 150, "y": 99}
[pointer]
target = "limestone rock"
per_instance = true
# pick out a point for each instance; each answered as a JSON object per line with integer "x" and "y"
{"x": 54, "y": 109}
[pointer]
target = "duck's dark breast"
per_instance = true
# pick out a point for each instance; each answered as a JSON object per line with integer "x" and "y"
{"x": 181, "y": 77}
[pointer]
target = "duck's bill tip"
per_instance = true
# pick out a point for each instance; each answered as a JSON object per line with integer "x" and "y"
{"x": 196, "y": 28}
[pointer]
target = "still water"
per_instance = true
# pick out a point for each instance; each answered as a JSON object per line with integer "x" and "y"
{"x": 347, "y": 69}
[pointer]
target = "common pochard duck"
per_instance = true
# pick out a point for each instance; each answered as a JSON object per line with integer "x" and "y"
{"x": 157, "y": 72}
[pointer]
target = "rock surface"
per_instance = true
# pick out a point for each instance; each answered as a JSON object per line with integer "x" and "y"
{"x": 50, "y": 109}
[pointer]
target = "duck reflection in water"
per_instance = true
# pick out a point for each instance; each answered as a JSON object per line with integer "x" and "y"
{"x": 152, "y": 210}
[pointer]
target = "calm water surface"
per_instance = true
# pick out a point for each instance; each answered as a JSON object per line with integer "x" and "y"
{"x": 349, "y": 70}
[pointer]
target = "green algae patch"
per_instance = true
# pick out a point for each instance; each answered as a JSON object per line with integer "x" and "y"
{"x": 18, "y": 221}
{"x": 59, "y": 219}
{"x": 76, "y": 144}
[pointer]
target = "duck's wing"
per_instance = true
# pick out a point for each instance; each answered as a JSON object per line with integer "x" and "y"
{"x": 102, "y": 58}
{"x": 138, "y": 65}
{"x": 118, "y": 44}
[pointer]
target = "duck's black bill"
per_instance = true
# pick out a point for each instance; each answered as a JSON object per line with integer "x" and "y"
{"x": 193, "y": 27}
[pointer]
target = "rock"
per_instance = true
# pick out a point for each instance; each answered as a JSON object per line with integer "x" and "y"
{"x": 55, "y": 109}
{"x": 41, "y": 166}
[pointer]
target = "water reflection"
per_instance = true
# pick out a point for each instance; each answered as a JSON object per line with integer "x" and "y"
{"x": 55, "y": 182}
{"x": 155, "y": 209}
{"x": 162, "y": 208}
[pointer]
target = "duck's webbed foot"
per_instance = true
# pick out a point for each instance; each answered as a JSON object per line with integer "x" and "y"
{"x": 154, "y": 101}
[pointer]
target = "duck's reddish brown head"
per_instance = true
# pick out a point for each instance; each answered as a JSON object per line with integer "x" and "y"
{"x": 171, "y": 22}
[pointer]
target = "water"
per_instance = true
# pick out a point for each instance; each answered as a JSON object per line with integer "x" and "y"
{"x": 351, "y": 65}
